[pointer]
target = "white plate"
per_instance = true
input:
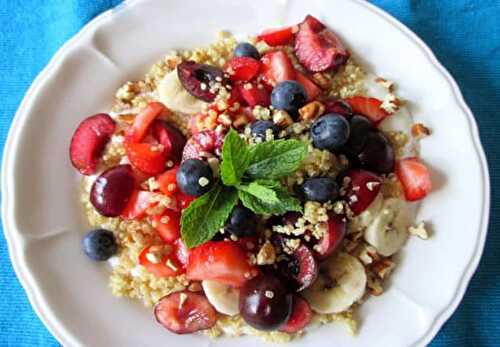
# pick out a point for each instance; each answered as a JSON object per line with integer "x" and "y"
{"x": 42, "y": 216}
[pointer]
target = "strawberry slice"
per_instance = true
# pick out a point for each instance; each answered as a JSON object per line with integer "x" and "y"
{"x": 277, "y": 67}
{"x": 149, "y": 159}
{"x": 223, "y": 261}
{"x": 242, "y": 68}
{"x": 89, "y": 140}
{"x": 414, "y": 177}
{"x": 137, "y": 132}
{"x": 208, "y": 141}
{"x": 317, "y": 48}
{"x": 161, "y": 260}
{"x": 168, "y": 182}
{"x": 254, "y": 94}
{"x": 312, "y": 90}
{"x": 139, "y": 202}
{"x": 362, "y": 189}
{"x": 278, "y": 37}
{"x": 168, "y": 225}
{"x": 184, "y": 200}
{"x": 368, "y": 107}
{"x": 301, "y": 316}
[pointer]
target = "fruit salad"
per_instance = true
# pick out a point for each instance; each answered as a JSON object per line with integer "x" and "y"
{"x": 259, "y": 187}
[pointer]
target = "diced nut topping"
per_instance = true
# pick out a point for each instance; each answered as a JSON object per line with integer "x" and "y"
{"x": 321, "y": 80}
{"x": 419, "y": 130}
{"x": 203, "y": 181}
{"x": 389, "y": 85}
{"x": 267, "y": 254}
{"x": 224, "y": 119}
{"x": 156, "y": 253}
{"x": 214, "y": 164}
{"x": 311, "y": 110}
{"x": 240, "y": 121}
{"x": 269, "y": 294}
{"x": 182, "y": 299}
{"x": 282, "y": 118}
{"x": 372, "y": 185}
{"x": 420, "y": 230}
{"x": 390, "y": 103}
{"x": 383, "y": 268}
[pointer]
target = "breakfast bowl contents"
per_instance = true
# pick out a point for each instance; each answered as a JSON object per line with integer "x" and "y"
{"x": 256, "y": 187}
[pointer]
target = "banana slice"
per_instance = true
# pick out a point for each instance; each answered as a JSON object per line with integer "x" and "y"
{"x": 341, "y": 282}
{"x": 365, "y": 218}
{"x": 224, "y": 298}
{"x": 388, "y": 230}
{"x": 176, "y": 97}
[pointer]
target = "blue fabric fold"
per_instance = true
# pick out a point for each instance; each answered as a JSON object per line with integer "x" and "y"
{"x": 465, "y": 36}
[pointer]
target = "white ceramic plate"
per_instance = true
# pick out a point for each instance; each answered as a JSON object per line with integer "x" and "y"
{"x": 42, "y": 216}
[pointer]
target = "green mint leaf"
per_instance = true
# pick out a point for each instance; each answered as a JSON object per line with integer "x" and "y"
{"x": 275, "y": 159}
{"x": 260, "y": 191}
{"x": 285, "y": 203}
{"x": 207, "y": 214}
{"x": 235, "y": 158}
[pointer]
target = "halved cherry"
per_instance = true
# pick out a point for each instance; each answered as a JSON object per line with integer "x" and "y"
{"x": 277, "y": 67}
{"x": 312, "y": 90}
{"x": 362, "y": 189}
{"x": 168, "y": 225}
{"x": 254, "y": 94}
{"x": 223, "y": 261}
{"x": 332, "y": 240}
{"x": 171, "y": 138}
{"x": 137, "y": 132}
{"x": 185, "y": 312}
{"x": 139, "y": 202}
{"x": 300, "y": 318}
{"x": 242, "y": 68}
{"x": 338, "y": 106}
{"x": 301, "y": 268}
{"x": 415, "y": 178}
{"x": 161, "y": 260}
{"x": 181, "y": 252}
{"x": 147, "y": 158}
{"x": 277, "y": 37}
{"x": 196, "y": 79}
{"x": 89, "y": 140}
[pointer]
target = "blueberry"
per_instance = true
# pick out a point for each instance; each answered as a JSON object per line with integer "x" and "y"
{"x": 99, "y": 244}
{"x": 242, "y": 222}
{"x": 320, "y": 189}
{"x": 245, "y": 49}
{"x": 330, "y": 132}
{"x": 194, "y": 177}
{"x": 289, "y": 96}
{"x": 260, "y": 127}
{"x": 360, "y": 128}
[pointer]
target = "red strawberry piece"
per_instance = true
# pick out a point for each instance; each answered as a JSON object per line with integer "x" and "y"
{"x": 242, "y": 68}
{"x": 223, "y": 261}
{"x": 254, "y": 94}
{"x": 184, "y": 200}
{"x": 368, "y": 107}
{"x": 338, "y": 106}
{"x": 171, "y": 138}
{"x": 312, "y": 90}
{"x": 168, "y": 182}
{"x": 139, "y": 129}
{"x": 89, "y": 141}
{"x": 168, "y": 225}
{"x": 277, "y": 37}
{"x": 149, "y": 159}
{"x": 362, "y": 189}
{"x": 332, "y": 240}
{"x": 139, "y": 202}
{"x": 277, "y": 67}
{"x": 185, "y": 312}
{"x": 301, "y": 268}
{"x": 248, "y": 243}
{"x": 415, "y": 178}
{"x": 208, "y": 141}
{"x": 301, "y": 316}
{"x": 317, "y": 48}
{"x": 181, "y": 252}
{"x": 164, "y": 263}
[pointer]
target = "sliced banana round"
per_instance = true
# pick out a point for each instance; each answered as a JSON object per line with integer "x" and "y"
{"x": 388, "y": 230}
{"x": 365, "y": 218}
{"x": 176, "y": 97}
{"x": 224, "y": 298}
{"x": 341, "y": 282}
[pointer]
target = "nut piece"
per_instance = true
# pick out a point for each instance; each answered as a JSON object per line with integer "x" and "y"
{"x": 311, "y": 110}
{"x": 384, "y": 267}
{"x": 240, "y": 121}
{"x": 420, "y": 230}
{"x": 321, "y": 80}
{"x": 282, "y": 118}
{"x": 266, "y": 255}
{"x": 419, "y": 130}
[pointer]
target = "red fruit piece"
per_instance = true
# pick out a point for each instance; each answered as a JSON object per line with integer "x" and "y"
{"x": 184, "y": 200}
{"x": 301, "y": 268}
{"x": 338, "y": 106}
{"x": 242, "y": 68}
{"x": 181, "y": 252}
{"x": 208, "y": 141}
{"x": 171, "y": 138}
{"x": 368, "y": 107}
{"x": 415, "y": 178}
{"x": 168, "y": 182}
{"x": 300, "y": 318}
{"x": 168, "y": 225}
{"x": 362, "y": 189}
{"x": 317, "y": 48}
{"x": 277, "y": 37}
{"x": 185, "y": 312}
{"x": 137, "y": 132}
{"x": 312, "y": 90}
{"x": 332, "y": 240}
{"x": 223, "y": 261}
{"x": 139, "y": 202}
{"x": 149, "y": 159}
{"x": 277, "y": 67}
{"x": 89, "y": 140}
{"x": 161, "y": 260}
{"x": 254, "y": 94}
{"x": 196, "y": 78}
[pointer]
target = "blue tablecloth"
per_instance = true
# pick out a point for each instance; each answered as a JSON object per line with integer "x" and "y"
{"x": 464, "y": 34}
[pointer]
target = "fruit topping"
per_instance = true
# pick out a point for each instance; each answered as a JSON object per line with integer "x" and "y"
{"x": 242, "y": 68}
{"x": 362, "y": 189}
{"x": 360, "y": 128}
{"x": 277, "y": 37}
{"x": 147, "y": 158}
{"x": 139, "y": 202}
{"x": 277, "y": 67}
{"x": 245, "y": 49}
{"x": 301, "y": 316}
{"x": 195, "y": 177}
{"x": 203, "y": 143}
{"x": 262, "y": 128}
{"x": 320, "y": 189}
{"x": 300, "y": 269}
{"x": 89, "y": 140}
{"x": 242, "y": 222}
{"x": 167, "y": 182}
{"x": 161, "y": 260}
{"x": 185, "y": 312}
{"x": 312, "y": 90}
{"x": 112, "y": 190}
{"x": 377, "y": 153}
{"x": 289, "y": 96}
{"x": 142, "y": 122}
{"x": 99, "y": 244}
{"x": 338, "y": 106}
{"x": 254, "y": 94}
{"x": 332, "y": 240}
{"x": 265, "y": 302}
{"x": 330, "y": 132}
{"x": 168, "y": 225}
{"x": 368, "y": 107}
{"x": 200, "y": 79}
{"x": 171, "y": 138}
{"x": 415, "y": 178}
{"x": 317, "y": 48}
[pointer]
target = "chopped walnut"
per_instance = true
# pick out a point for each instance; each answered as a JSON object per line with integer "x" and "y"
{"x": 419, "y": 230}
{"x": 267, "y": 254}
{"x": 383, "y": 267}
{"x": 282, "y": 118}
{"x": 322, "y": 80}
{"x": 311, "y": 110}
{"x": 419, "y": 131}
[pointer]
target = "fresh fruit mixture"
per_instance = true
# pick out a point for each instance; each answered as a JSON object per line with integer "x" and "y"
{"x": 254, "y": 187}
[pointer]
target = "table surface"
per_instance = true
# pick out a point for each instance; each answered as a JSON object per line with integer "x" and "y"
{"x": 465, "y": 36}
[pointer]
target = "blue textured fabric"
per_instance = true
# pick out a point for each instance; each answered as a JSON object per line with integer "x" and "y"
{"x": 464, "y": 34}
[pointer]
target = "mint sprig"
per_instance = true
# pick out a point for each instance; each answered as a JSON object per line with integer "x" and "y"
{"x": 250, "y": 174}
